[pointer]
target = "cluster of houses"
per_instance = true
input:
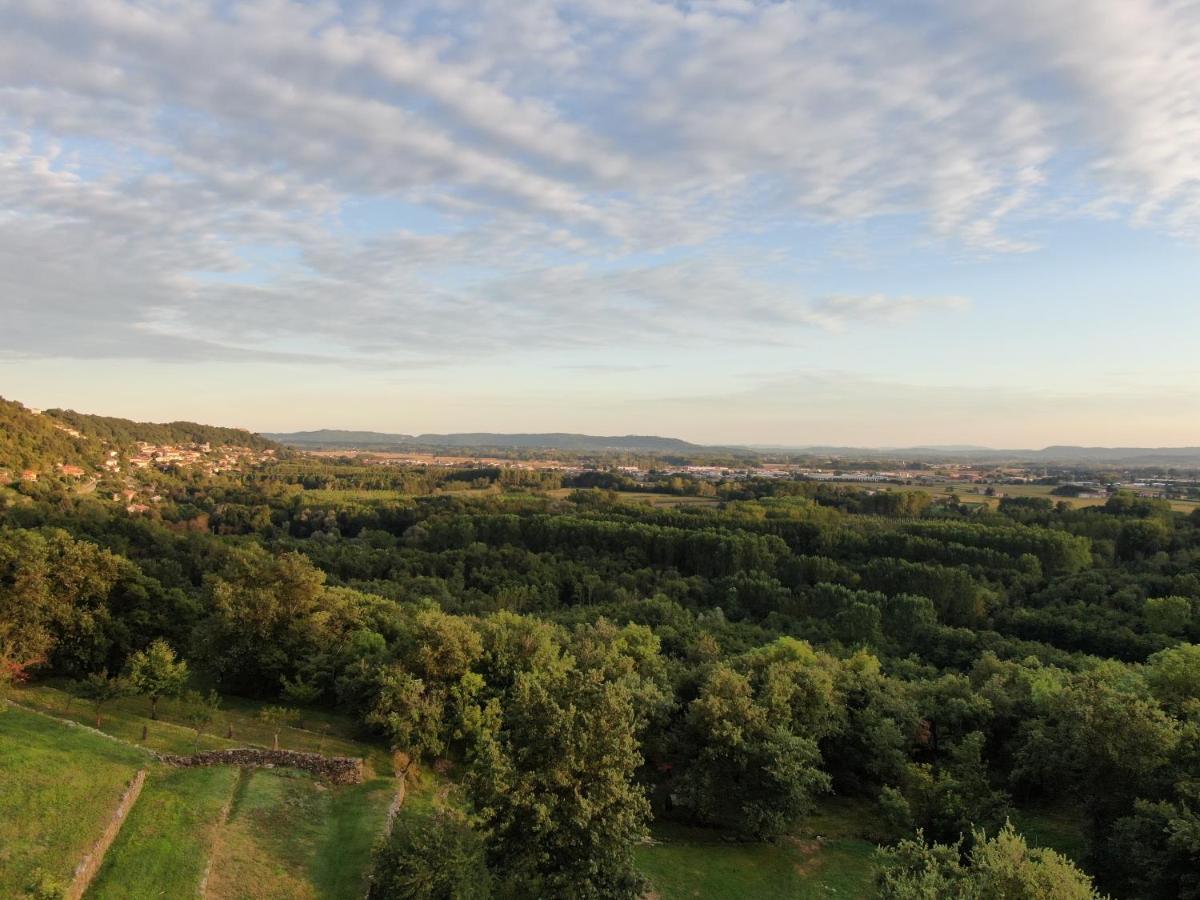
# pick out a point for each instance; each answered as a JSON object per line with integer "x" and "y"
{"x": 204, "y": 456}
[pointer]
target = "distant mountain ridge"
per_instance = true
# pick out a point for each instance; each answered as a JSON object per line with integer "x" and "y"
{"x": 333, "y": 439}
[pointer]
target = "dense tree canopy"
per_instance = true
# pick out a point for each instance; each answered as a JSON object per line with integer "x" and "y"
{"x": 590, "y": 664}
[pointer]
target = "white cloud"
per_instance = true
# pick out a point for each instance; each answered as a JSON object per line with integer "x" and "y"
{"x": 179, "y": 179}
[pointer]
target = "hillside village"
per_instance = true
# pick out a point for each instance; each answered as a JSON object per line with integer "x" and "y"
{"x": 124, "y": 469}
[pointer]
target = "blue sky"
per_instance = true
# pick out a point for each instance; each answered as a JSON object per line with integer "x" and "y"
{"x": 731, "y": 221}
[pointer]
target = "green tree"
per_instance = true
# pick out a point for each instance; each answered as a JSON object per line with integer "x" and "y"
{"x": 275, "y": 717}
{"x": 552, "y": 781}
{"x": 1169, "y": 615}
{"x": 747, "y": 771}
{"x": 409, "y": 713}
{"x": 100, "y": 689}
{"x": 1174, "y": 677}
{"x": 199, "y": 710}
{"x": 1000, "y": 868}
{"x": 155, "y": 672}
{"x": 436, "y": 857}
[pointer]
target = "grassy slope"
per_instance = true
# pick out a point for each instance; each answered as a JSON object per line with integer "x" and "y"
{"x": 165, "y": 843}
{"x": 125, "y": 718}
{"x": 60, "y": 786}
{"x": 291, "y": 837}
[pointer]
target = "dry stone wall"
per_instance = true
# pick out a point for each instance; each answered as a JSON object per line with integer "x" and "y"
{"x": 336, "y": 769}
{"x": 90, "y": 864}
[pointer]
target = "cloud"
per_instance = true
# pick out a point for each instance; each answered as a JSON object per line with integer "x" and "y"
{"x": 184, "y": 179}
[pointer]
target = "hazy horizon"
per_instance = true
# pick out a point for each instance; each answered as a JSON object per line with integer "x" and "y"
{"x": 794, "y": 223}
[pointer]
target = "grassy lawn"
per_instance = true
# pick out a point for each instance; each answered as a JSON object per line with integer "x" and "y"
{"x": 59, "y": 786}
{"x": 323, "y": 732}
{"x": 697, "y": 863}
{"x": 164, "y": 846}
{"x": 289, "y": 836}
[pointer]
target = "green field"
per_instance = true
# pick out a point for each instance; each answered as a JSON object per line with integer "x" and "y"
{"x": 696, "y": 863}
{"x": 289, "y": 836}
{"x": 165, "y": 843}
{"x": 58, "y": 788}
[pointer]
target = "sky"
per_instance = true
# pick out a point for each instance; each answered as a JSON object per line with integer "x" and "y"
{"x": 731, "y": 221}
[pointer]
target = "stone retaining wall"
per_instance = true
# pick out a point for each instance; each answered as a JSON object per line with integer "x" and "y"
{"x": 90, "y": 864}
{"x": 336, "y": 769}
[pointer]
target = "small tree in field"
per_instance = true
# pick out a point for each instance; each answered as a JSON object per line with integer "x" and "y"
{"x": 275, "y": 717}
{"x": 155, "y": 672}
{"x": 101, "y": 688}
{"x": 200, "y": 710}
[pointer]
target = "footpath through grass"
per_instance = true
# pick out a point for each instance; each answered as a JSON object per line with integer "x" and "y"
{"x": 166, "y": 841}
{"x": 289, "y": 836}
{"x": 58, "y": 788}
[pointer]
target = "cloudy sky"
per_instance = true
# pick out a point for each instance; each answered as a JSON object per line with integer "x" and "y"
{"x": 778, "y": 221}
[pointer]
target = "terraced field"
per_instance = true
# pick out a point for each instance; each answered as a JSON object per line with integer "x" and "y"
{"x": 251, "y": 833}
{"x": 165, "y": 844}
{"x": 289, "y": 836}
{"x": 60, "y": 787}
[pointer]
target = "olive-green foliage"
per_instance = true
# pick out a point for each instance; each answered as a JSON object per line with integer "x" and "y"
{"x": 552, "y": 780}
{"x": 999, "y": 867}
{"x": 434, "y": 857}
{"x": 155, "y": 672}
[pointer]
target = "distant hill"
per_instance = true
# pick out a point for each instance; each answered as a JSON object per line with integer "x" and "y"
{"x": 1151, "y": 456}
{"x": 41, "y": 441}
{"x": 329, "y": 439}
{"x": 32, "y": 441}
{"x": 126, "y": 431}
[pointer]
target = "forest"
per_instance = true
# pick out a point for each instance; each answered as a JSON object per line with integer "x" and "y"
{"x": 585, "y": 665}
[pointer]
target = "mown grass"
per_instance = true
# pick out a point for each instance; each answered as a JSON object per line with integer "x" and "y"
{"x": 697, "y": 863}
{"x": 59, "y": 786}
{"x": 289, "y": 836}
{"x": 165, "y": 843}
{"x": 323, "y": 731}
